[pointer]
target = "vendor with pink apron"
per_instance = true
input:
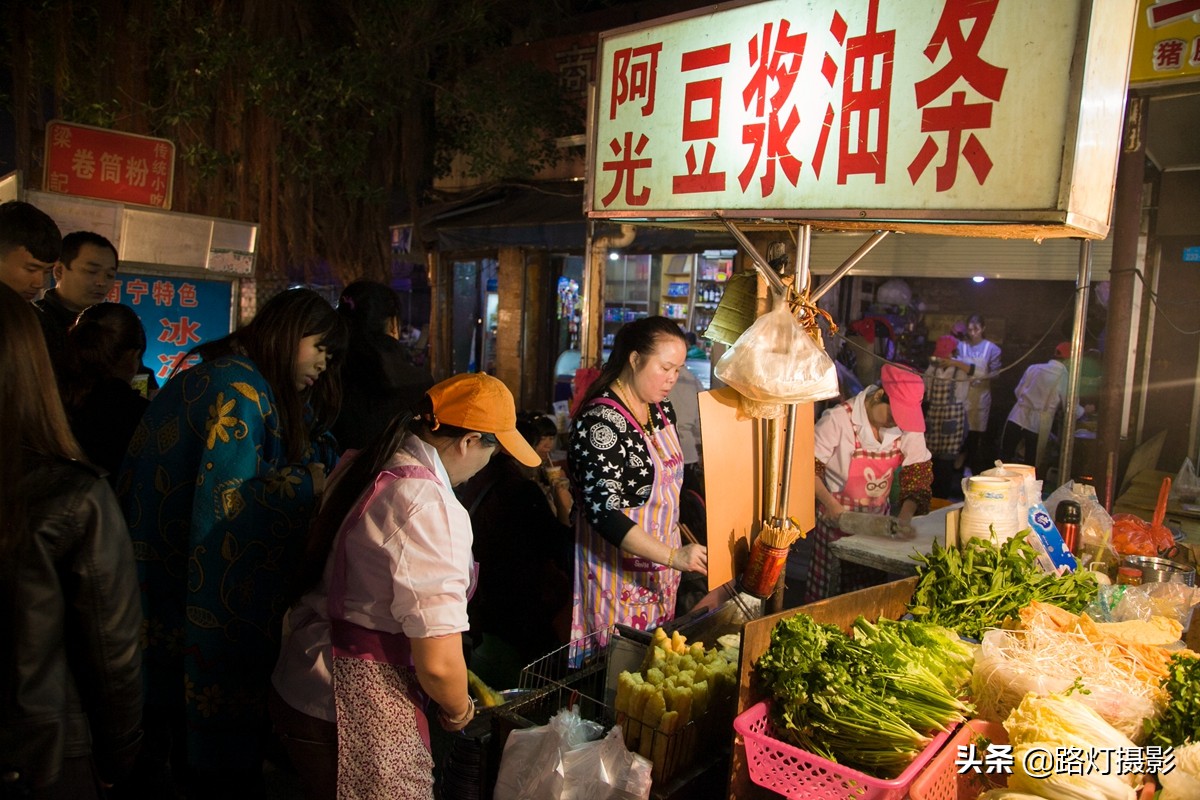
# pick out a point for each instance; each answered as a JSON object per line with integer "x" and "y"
{"x": 861, "y": 447}
{"x": 374, "y": 644}
{"x": 627, "y": 466}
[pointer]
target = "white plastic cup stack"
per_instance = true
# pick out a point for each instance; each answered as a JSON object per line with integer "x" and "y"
{"x": 989, "y": 510}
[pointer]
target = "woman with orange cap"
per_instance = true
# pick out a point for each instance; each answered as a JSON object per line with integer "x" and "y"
{"x": 376, "y": 636}
{"x": 860, "y": 446}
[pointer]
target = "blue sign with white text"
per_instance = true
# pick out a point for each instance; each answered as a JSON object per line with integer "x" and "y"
{"x": 1191, "y": 254}
{"x": 177, "y": 313}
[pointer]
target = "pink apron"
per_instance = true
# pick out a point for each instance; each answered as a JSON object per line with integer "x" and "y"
{"x": 868, "y": 488}
{"x": 612, "y": 586}
{"x": 382, "y": 727}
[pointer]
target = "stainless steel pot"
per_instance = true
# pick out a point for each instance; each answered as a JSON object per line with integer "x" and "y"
{"x": 1161, "y": 570}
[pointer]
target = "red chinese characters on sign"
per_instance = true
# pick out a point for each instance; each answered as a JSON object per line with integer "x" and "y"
{"x": 866, "y": 101}
{"x": 109, "y": 165}
{"x": 701, "y": 119}
{"x": 959, "y": 116}
{"x": 635, "y": 71}
{"x": 852, "y": 104}
{"x": 776, "y": 63}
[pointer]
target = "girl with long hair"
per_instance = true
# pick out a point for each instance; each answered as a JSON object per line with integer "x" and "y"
{"x": 219, "y": 486}
{"x": 626, "y": 462}
{"x": 70, "y": 670}
{"x": 377, "y": 631}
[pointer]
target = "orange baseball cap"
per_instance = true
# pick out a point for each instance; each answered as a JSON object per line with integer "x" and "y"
{"x": 476, "y": 401}
{"x": 904, "y": 390}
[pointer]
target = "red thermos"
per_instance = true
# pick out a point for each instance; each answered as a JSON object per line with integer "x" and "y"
{"x": 1066, "y": 519}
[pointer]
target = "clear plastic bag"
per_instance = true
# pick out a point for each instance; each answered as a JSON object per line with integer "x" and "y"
{"x": 776, "y": 361}
{"x": 1095, "y": 524}
{"x": 1185, "y": 490}
{"x": 532, "y": 765}
{"x": 606, "y": 770}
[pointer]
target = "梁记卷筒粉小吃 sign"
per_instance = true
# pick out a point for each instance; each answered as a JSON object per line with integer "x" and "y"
{"x": 109, "y": 165}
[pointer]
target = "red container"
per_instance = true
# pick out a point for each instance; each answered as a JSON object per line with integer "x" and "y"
{"x": 762, "y": 573}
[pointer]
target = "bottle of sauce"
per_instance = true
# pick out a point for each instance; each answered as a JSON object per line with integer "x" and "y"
{"x": 1066, "y": 519}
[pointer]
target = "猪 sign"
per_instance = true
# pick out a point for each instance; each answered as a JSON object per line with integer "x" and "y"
{"x": 866, "y": 111}
{"x": 110, "y": 165}
{"x": 1166, "y": 46}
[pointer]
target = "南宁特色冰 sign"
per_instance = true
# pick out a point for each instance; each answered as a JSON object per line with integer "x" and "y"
{"x": 866, "y": 111}
{"x": 110, "y": 165}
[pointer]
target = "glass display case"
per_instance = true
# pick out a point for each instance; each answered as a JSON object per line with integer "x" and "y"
{"x": 627, "y": 292}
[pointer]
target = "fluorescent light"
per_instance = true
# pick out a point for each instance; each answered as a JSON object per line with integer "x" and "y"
{"x": 979, "y": 279}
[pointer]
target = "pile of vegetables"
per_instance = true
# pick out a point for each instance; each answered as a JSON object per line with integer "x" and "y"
{"x": 1179, "y": 722}
{"x": 677, "y": 683}
{"x": 984, "y": 583}
{"x": 869, "y": 701}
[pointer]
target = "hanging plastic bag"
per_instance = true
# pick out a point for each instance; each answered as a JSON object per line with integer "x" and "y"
{"x": 606, "y": 770}
{"x": 776, "y": 361}
{"x": 531, "y": 767}
{"x": 1186, "y": 488}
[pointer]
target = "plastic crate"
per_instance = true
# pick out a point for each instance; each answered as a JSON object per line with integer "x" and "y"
{"x": 940, "y": 780}
{"x": 797, "y": 774}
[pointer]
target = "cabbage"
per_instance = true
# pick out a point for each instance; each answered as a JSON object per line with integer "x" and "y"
{"x": 1055, "y": 721}
{"x": 1183, "y": 782}
{"x": 1066, "y": 787}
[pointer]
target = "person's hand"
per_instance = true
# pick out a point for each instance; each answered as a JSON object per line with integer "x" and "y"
{"x": 834, "y": 512}
{"x": 691, "y": 558}
{"x": 455, "y": 724}
{"x": 317, "y": 470}
{"x": 902, "y": 528}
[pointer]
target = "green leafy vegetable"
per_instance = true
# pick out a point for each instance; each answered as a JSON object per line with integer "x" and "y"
{"x": 1180, "y": 720}
{"x": 868, "y": 702}
{"x": 982, "y": 584}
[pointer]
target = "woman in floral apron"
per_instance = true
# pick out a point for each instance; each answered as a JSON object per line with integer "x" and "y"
{"x": 376, "y": 638}
{"x": 627, "y": 465}
{"x": 859, "y": 447}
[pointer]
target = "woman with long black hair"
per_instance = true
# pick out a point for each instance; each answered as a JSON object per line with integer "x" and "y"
{"x": 219, "y": 486}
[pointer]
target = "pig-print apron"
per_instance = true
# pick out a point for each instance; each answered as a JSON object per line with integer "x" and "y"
{"x": 868, "y": 487}
{"x": 382, "y": 726}
{"x": 612, "y": 586}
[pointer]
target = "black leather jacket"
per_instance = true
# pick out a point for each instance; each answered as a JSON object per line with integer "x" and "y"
{"x": 70, "y": 621}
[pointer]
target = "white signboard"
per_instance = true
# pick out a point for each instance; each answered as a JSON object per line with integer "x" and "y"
{"x": 886, "y": 110}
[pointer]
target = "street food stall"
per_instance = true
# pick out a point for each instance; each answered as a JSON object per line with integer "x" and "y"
{"x": 977, "y": 120}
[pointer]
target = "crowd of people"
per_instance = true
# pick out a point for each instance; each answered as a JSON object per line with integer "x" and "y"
{"x": 303, "y": 542}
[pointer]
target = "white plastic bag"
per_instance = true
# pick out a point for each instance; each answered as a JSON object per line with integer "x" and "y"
{"x": 606, "y": 770}
{"x": 776, "y": 361}
{"x": 531, "y": 767}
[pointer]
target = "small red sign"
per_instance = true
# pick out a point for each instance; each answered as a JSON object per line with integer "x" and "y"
{"x": 110, "y": 165}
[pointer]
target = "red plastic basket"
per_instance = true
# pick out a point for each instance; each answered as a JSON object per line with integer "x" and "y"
{"x": 797, "y": 774}
{"x": 940, "y": 780}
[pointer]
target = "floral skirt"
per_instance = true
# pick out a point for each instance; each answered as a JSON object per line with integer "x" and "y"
{"x": 383, "y": 737}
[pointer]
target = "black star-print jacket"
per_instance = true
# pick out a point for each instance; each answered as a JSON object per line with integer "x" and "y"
{"x": 610, "y": 465}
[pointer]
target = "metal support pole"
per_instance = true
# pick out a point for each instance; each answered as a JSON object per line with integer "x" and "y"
{"x": 1082, "y": 286}
{"x": 848, "y": 264}
{"x": 769, "y": 275}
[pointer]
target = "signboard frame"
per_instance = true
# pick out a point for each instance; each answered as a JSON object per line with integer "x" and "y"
{"x": 121, "y": 192}
{"x": 1090, "y": 145}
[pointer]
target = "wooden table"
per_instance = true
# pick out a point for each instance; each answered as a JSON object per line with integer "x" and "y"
{"x": 894, "y": 556}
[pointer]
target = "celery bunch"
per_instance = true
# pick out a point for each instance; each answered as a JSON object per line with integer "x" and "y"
{"x": 870, "y": 701}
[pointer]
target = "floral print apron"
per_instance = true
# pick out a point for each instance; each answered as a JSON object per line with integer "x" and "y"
{"x": 612, "y": 586}
{"x": 868, "y": 488}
